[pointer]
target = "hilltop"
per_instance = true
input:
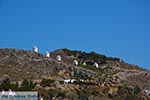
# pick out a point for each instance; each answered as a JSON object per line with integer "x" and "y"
{"x": 112, "y": 79}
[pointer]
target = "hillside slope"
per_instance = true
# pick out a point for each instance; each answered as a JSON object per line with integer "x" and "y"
{"x": 111, "y": 78}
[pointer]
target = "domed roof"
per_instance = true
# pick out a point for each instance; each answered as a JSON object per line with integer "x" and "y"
{"x": 47, "y": 54}
{"x": 84, "y": 63}
{"x": 75, "y": 62}
{"x": 58, "y": 57}
{"x": 96, "y": 65}
{"x": 35, "y": 49}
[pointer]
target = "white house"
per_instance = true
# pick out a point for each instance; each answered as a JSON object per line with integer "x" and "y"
{"x": 96, "y": 65}
{"x": 58, "y": 57}
{"x": 35, "y": 49}
{"x": 147, "y": 92}
{"x": 72, "y": 80}
{"x": 84, "y": 63}
{"x": 69, "y": 80}
{"x": 75, "y": 62}
{"x": 41, "y": 98}
{"x": 47, "y": 54}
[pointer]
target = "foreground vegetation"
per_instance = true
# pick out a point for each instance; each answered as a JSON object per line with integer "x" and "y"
{"x": 84, "y": 92}
{"x": 25, "y": 86}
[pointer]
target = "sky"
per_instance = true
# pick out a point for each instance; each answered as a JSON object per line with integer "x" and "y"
{"x": 116, "y": 28}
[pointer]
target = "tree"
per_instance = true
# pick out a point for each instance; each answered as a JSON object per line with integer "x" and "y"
{"x": 136, "y": 89}
{"x": 51, "y": 94}
{"x": 5, "y": 85}
{"x": 61, "y": 94}
{"x": 46, "y": 82}
{"x": 27, "y": 85}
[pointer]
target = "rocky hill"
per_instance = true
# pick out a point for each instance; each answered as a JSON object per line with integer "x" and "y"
{"x": 112, "y": 79}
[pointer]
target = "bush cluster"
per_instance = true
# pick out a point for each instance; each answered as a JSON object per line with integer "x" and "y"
{"x": 46, "y": 82}
{"x": 25, "y": 86}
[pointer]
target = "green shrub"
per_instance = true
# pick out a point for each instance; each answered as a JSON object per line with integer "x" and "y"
{"x": 51, "y": 94}
{"x": 46, "y": 82}
{"x": 27, "y": 85}
{"x": 95, "y": 93}
{"x": 131, "y": 97}
{"x": 5, "y": 85}
{"x": 61, "y": 94}
{"x": 136, "y": 89}
{"x": 61, "y": 82}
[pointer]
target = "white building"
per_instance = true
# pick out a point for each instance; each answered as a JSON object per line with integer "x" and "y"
{"x": 72, "y": 80}
{"x": 96, "y": 65}
{"x": 35, "y": 49}
{"x": 69, "y": 80}
{"x": 147, "y": 91}
{"x": 41, "y": 98}
{"x": 84, "y": 63}
{"x": 75, "y": 62}
{"x": 58, "y": 57}
{"x": 47, "y": 54}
